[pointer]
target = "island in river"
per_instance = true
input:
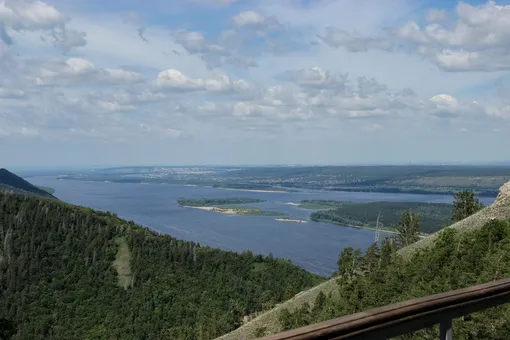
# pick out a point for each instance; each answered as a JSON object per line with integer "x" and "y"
{"x": 231, "y": 206}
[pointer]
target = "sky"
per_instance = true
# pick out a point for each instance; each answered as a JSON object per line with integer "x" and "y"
{"x": 131, "y": 82}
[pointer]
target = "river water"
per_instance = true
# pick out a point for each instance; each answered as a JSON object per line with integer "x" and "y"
{"x": 313, "y": 246}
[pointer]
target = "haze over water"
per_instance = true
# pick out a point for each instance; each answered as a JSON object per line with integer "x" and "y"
{"x": 313, "y": 246}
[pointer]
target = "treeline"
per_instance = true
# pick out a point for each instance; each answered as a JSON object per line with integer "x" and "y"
{"x": 212, "y": 202}
{"x": 456, "y": 260}
{"x": 57, "y": 279}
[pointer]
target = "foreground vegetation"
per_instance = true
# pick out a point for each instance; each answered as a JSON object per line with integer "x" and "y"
{"x": 434, "y": 216}
{"x": 73, "y": 273}
{"x": 381, "y": 277}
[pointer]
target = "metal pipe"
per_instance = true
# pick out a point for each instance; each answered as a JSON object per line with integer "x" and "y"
{"x": 445, "y": 330}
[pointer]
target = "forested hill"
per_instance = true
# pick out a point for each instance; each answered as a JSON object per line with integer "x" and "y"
{"x": 68, "y": 272}
{"x": 12, "y": 182}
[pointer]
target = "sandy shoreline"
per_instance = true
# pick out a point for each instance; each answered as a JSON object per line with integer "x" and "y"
{"x": 290, "y": 220}
{"x": 228, "y": 211}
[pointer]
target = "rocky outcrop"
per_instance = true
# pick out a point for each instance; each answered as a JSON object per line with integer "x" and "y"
{"x": 504, "y": 192}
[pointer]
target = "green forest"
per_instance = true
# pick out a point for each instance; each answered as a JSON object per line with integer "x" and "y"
{"x": 68, "y": 272}
{"x": 433, "y": 216}
{"x": 212, "y": 202}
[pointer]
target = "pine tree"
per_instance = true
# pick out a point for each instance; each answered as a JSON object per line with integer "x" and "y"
{"x": 465, "y": 204}
{"x": 408, "y": 229}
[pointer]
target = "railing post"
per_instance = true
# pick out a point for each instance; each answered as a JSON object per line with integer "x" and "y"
{"x": 445, "y": 330}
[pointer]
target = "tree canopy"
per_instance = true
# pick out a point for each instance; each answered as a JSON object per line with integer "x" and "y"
{"x": 465, "y": 204}
{"x": 68, "y": 272}
{"x": 408, "y": 229}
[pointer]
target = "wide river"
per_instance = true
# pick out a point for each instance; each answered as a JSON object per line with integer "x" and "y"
{"x": 313, "y": 246}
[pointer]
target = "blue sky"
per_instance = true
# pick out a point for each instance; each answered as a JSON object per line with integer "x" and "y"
{"x": 254, "y": 82}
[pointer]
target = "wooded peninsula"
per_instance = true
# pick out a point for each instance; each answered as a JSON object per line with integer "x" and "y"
{"x": 434, "y": 216}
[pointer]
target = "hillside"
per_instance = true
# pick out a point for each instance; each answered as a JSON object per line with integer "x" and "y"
{"x": 68, "y": 272}
{"x": 270, "y": 321}
{"x": 12, "y": 182}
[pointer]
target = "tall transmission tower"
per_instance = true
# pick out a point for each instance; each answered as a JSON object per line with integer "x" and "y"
{"x": 377, "y": 230}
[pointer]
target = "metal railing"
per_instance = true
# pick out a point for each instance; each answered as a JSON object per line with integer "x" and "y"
{"x": 406, "y": 317}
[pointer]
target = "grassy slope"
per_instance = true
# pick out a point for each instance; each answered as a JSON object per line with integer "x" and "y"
{"x": 499, "y": 210}
{"x": 122, "y": 263}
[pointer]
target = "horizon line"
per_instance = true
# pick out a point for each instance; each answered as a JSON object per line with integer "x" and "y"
{"x": 113, "y": 166}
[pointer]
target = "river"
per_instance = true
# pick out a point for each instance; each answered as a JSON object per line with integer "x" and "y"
{"x": 313, "y": 246}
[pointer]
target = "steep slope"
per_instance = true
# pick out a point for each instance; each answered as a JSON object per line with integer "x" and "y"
{"x": 12, "y": 182}
{"x": 499, "y": 210}
{"x": 68, "y": 272}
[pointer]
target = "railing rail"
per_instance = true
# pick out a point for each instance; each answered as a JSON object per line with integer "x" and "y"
{"x": 406, "y": 317}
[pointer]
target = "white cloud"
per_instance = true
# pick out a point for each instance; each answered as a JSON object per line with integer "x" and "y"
{"x": 29, "y": 132}
{"x": 69, "y": 39}
{"x": 27, "y": 15}
{"x": 499, "y": 112}
{"x": 372, "y": 128}
{"x": 195, "y": 42}
{"x": 79, "y": 70}
{"x": 477, "y": 41}
{"x": 353, "y": 41}
{"x": 249, "y": 18}
{"x": 315, "y": 77}
{"x": 261, "y": 75}
{"x": 174, "y": 80}
{"x": 436, "y": 15}
{"x": 165, "y": 132}
{"x": 11, "y": 93}
{"x": 30, "y": 15}
{"x": 215, "y": 2}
